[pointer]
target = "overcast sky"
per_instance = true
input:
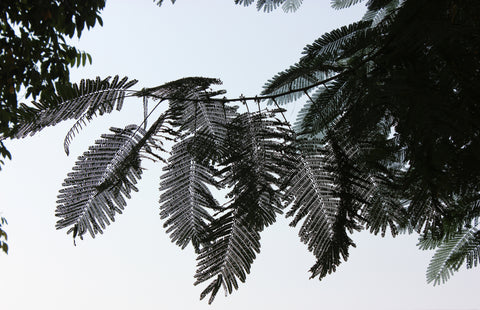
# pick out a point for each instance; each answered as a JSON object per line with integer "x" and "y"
{"x": 133, "y": 265}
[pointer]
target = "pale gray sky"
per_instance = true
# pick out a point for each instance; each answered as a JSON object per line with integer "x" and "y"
{"x": 133, "y": 265}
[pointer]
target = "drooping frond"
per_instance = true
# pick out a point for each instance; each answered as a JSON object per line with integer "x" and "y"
{"x": 205, "y": 120}
{"x": 325, "y": 108}
{"x": 452, "y": 253}
{"x": 378, "y": 14}
{"x": 333, "y": 42}
{"x": 270, "y": 5}
{"x": 190, "y": 100}
{"x": 382, "y": 207}
{"x": 384, "y": 210}
{"x": 229, "y": 257}
{"x": 318, "y": 202}
{"x": 259, "y": 158}
{"x": 244, "y": 2}
{"x": 81, "y": 102}
{"x": 295, "y": 80}
{"x": 102, "y": 178}
{"x": 291, "y": 5}
{"x": 186, "y": 199}
{"x": 342, "y": 4}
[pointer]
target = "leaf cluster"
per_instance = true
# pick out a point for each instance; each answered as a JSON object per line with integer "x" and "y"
{"x": 397, "y": 90}
{"x": 34, "y": 54}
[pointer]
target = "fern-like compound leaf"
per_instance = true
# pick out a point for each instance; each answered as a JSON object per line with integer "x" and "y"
{"x": 326, "y": 191}
{"x": 244, "y": 2}
{"x": 270, "y": 5}
{"x": 461, "y": 247}
{"x": 292, "y": 82}
{"x": 229, "y": 257}
{"x": 291, "y": 5}
{"x": 313, "y": 193}
{"x": 102, "y": 178}
{"x": 342, "y": 4}
{"x": 258, "y": 162}
{"x": 186, "y": 198}
{"x": 333, "y": 42}
{"x": 81, "y": 101}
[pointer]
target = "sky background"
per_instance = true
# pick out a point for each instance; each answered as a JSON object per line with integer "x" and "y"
{"x": 133, "y": 265}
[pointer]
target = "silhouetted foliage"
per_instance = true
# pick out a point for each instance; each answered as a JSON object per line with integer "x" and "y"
{"x": 387, "y": 140}
{"x": 3, "y": 236}
{"x": 34, "y": 53}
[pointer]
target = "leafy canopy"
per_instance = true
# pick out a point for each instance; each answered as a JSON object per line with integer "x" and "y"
{"x": 34, "y": 53}
{"x": 387, "y": 141}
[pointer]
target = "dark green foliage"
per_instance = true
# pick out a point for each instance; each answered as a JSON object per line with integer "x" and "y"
{"x": 322, "y": 208}
{"x": 34, "y": 55}
{"x": 400, "y": 90}
{"x": 81, "y": 102}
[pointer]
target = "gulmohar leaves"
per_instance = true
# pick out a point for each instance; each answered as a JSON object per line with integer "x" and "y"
{"x": 387, "y": 141}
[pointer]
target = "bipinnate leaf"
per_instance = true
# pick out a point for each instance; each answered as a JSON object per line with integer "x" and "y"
{"x": 259, "y": 157}
{"x": 81, "y": 101}
{"x": 103, "y": 177}
{"x": 452, "y": 253}
{"x": 186, "y": 198}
